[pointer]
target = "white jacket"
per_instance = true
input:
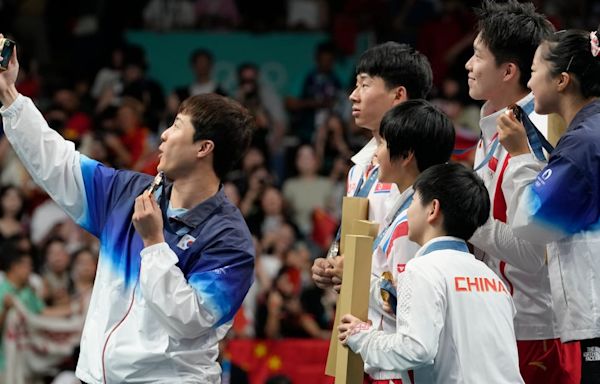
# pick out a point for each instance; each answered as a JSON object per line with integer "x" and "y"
{"x": 519, "y": 263}
{"x": 156, "y": 314}
{"x": 452, "y": 310}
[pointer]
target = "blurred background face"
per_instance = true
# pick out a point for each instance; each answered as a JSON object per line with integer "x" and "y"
{"x": 272, "y": 202}
{"x": 11, "y": 202}
{"x": 284, "y": 285}
{"x": 325, "y": 61}
{"x": 299, "y": 258}
{"x": 127, "y": 117}
{"x": 67, "y": 100}
{"x": 248, "y": 80}
{"x": 132, "y": 73}
{"x": 286, "y": 237}
{"x": 252, "y": 160}
{"x": 306, "y": 161}
{"x": 57, "y": 257}
{"x": 84, "y": 267}
{"x": 202, "y": 66}
{"x": 22, "y": 269}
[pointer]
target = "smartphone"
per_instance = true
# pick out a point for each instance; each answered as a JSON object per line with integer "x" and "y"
{"x": 6, "y": 50}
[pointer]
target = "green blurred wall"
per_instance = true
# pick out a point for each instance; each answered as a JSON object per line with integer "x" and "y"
{"x": 284, "y": 58}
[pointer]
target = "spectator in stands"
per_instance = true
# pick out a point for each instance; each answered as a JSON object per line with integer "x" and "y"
{"x": 273, "y": 211}
{"x": 12, "y": 209}
{"x": 258, "y": 180}
{"x": 83, "y": 274}
{"x": 17, "y": 266}
{"x": 55, "y": 272}
{"x": 66, "y": 116}
{"x": 320, "y": 90}
{"x": 132, "y": 146}
{"x": 109, "y": 77}
{"x": 274, "y": 253}
{"x": 252, "y": 160}
{"x": 268, "y": 108}
{"x": 201, "y": 62}
{"x": 308, "y": 190}
{"x": 282, "y": 315}
{"x": 137, "y": 84}
{"x": 330, "y": 142}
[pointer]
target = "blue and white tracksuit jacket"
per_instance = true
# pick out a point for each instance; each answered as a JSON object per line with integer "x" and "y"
{"x": 157, "y": 313}
{"x": 559, "y": 204}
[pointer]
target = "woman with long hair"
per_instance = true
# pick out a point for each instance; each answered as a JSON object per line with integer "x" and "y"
{"x": 559, "y": 204}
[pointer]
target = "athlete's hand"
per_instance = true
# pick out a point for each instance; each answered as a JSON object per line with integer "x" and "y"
{"x": 511, "y": 134}
{"x": 8, "y": 92}
{"x": 349, "y": 326}
{"x": 336, "y": 271}
{"x": 147, "y": 219}
{"x": 319, "y": 273}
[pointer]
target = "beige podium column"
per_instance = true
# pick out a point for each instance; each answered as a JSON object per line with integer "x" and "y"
{"x": 353, "y": 208}
{"x": 354, "y": 296}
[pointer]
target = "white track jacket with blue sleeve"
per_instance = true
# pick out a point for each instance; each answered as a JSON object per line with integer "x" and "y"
{"x": 157, "y": 313}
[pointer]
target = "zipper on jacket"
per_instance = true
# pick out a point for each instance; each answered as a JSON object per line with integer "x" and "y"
{"x": 115, "y": 328}
{"x": 562, "y": 281}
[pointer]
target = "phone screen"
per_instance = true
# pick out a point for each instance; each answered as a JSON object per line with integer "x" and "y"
{"x": 7, "y": 50}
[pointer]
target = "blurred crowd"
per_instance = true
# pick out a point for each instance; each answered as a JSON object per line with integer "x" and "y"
{"x": 94, "y": 89}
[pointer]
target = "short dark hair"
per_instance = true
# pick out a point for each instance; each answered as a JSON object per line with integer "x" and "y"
{"x": 224, "y": 121}
{"x": 569, "y": 51}
{"x": 327, "y": 47}
{"x": 418, "y": 126}
{"x": 201, "y": 52}
{"x": 512, "y": 31}
{"x": 10, "y": 255}
{"x": 398, "y": 65}
{"x": 134, "y": 55}
{"x": 463, "y": 197}
{"x": 245, "y": 66}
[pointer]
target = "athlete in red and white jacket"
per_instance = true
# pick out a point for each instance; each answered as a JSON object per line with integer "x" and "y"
{"x": 381, "y": 194}
{"x": 521, "y": 264}
{"x": 497, "y": 73}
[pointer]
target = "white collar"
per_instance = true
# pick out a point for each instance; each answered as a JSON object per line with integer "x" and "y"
{"x": 364, "y": 157}
{"x": 395, "y": 202}
{"x": 435, "y": 240}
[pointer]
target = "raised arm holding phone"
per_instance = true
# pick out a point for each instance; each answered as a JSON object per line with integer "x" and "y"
{"x": 174, "y": 264}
